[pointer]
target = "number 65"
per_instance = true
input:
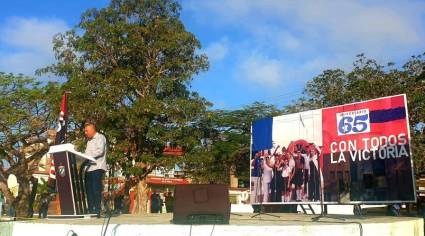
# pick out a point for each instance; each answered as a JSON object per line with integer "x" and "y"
{"x": 348, "y": 124}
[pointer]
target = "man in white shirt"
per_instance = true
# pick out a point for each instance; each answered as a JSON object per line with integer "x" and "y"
{"x": 96, "y": 148}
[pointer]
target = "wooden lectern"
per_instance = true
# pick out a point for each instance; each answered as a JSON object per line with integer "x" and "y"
{"x": 69, "y": 168}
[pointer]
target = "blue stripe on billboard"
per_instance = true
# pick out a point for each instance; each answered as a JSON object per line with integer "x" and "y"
{"x": 262, "y": 134}
{"x": 381, "y": 116}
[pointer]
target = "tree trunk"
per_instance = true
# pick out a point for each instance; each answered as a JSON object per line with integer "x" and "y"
{"x": 141, "y": 197}
{"x": 22, "y": 201}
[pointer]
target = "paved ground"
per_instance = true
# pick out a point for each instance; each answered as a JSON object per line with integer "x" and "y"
{"x": 243, "y": 219}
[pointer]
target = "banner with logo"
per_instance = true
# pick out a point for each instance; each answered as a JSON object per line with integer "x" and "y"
{"x": 353, "y": 153}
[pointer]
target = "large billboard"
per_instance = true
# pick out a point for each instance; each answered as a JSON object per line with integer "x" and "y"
{"x": 353, "y": 153}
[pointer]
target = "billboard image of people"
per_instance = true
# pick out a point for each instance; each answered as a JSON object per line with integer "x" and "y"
{"x": 353, "y": 153}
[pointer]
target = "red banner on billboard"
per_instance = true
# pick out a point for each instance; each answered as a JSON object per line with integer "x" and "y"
{"x": 364, "y": 154}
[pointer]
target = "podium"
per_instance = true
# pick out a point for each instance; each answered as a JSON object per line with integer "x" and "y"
{"x": 69, "y": 169}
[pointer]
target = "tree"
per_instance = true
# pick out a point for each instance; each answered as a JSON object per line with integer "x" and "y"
{"x": 129, "y": 67}
{"x": 226, "y": 139}
{"x": 367, "y": 80}
{"x": 24, "y": 120}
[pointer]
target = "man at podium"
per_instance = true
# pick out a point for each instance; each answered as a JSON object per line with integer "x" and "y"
{"x": 96, "y": 148}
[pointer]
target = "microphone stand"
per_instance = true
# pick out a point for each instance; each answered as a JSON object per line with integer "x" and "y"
{"x": 111, "y": 200}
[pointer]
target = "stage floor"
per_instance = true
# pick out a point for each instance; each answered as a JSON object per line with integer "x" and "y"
{"x": 160, "y": 224}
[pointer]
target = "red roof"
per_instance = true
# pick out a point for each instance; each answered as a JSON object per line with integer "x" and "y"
{"x": 173, "y": 151}
{"x": 167, "y": 181}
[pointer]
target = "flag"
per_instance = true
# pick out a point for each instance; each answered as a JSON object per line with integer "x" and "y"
{"x": 60, "y": 139}
{"x": 62, "y": 122}
{"x": 262, "y": 134}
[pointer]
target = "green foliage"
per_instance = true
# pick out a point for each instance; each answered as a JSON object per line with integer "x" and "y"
{"x": 24, "y": 110}
{"x": 129, "y": 67}
{"x": 226, "y": 143}
{"x": 25, "y": 117}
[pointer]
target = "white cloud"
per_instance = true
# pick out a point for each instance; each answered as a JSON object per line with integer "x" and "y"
{"x": 27, "y": 43}
{"x": 261, "y": 70}
{"x": 23, "y": 62}
{"x": 306, "y": 29}
{"x": 216, "y": 51}
{"x": 31, "y": 33}
{"x": 359, "y": 24}
{"x": 280, "y": 44}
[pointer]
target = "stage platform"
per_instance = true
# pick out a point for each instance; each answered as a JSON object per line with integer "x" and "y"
{"x": 160, "y": 224}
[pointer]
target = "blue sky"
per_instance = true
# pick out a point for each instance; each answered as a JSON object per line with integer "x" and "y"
{"x": 259, "y": 50}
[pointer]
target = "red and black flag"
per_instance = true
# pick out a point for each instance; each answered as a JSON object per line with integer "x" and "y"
{"x": 62, "y": 122}
{"x": 60, "y": 139}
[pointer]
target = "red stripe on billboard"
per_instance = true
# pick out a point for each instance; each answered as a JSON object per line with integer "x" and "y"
{"x": 378, "y": 133}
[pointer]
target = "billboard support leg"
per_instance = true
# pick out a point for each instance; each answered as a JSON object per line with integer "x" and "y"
{"x": 357, "y": 210}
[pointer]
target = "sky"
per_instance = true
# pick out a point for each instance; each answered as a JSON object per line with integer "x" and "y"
{"x": 259, "y": 50}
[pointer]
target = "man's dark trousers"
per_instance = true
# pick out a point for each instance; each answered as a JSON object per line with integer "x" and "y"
{"x": 94, "y": 190}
